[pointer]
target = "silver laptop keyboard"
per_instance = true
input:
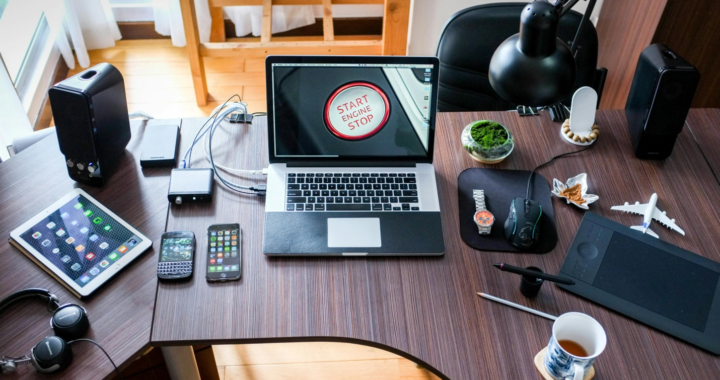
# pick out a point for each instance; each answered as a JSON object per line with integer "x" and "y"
{"x": 352, "y": 192}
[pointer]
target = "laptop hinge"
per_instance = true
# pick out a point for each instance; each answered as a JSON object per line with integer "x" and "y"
{"x": 347, "y": 164}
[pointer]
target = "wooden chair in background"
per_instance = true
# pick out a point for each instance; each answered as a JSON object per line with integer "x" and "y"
{"x": 393, "y": 41}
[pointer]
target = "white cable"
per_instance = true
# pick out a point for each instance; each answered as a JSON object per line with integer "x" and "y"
{"x": 140, "y": 114}
{"x": 252, "y": 190}
{"x": 217, "y": 109}
{"x": 231, "y": 107}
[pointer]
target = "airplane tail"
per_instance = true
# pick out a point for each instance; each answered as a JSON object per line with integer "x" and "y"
{"x": 648, "y": 231}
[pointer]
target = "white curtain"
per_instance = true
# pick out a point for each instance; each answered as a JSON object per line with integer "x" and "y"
{"x": 168, "y": 20}
{"x": 247, "y": 19}
{"x": 285, "y": 17}
{"x": 81, "y": 25}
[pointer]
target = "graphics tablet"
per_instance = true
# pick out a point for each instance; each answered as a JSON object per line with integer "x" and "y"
{"x": 79, "y": 242}
{"x": 654, "y": 282}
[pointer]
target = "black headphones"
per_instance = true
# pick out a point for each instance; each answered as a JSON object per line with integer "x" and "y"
{"x": 69, "y": 322}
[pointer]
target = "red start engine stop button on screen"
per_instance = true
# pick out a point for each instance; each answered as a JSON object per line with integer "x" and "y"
{"x": 357, "y": 111}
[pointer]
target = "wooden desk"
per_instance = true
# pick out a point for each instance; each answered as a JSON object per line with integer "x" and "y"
{"x": 121, "y": 311}
{"x": 426, "y": 309}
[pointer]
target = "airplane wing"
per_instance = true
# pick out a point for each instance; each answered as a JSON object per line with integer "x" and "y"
{"x": 669, "y": 223}
{"x": 635, "y": 209}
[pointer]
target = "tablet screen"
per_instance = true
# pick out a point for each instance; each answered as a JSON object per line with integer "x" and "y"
{"x": 80, "y": 239}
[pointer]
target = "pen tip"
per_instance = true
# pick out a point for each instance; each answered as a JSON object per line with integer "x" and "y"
{"x": 497, "y": 265}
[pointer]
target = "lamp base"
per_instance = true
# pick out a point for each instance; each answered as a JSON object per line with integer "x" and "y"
{"x": 582, "y": 138}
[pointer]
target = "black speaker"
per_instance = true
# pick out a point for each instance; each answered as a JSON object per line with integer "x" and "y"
{"x": 660, "y": 97}
{"x": 92, "y": 123}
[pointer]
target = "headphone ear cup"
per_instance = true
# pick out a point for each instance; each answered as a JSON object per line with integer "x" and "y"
{"x": 8, "y": 366}
{"x": 51, "y": 354}
{"x": 70, "y": 322}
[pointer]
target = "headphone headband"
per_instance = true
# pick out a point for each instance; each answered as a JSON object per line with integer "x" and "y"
{"x": 53, "y": 301}
{"x": 69, "y": 322}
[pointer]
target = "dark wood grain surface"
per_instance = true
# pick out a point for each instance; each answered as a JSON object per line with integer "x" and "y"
{"x": 121, "y": 311}
{"x": 705, "y": 126}
{"x": 427, "y": 309}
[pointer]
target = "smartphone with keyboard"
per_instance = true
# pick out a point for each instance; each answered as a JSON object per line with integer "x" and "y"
{"x": 177, "y": 255}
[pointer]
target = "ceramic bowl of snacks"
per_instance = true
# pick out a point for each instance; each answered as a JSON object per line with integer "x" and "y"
{"x": 487, "y": 141}
{"x": 574, "y": 191}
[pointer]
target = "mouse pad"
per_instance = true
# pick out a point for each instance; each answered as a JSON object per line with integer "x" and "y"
{"x": 500, "y": 187}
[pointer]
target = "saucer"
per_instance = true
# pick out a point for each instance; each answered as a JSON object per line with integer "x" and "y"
{"x": 540, "y": 357}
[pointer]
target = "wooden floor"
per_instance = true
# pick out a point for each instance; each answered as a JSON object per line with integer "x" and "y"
{"x": 157, "y": 81}
{"x": 313, "y": 361}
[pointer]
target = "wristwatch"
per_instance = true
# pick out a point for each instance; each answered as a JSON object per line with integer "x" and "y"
{"x": 483, "y": 218}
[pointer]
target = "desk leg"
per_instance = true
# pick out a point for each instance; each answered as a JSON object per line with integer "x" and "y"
{"x": 181, "y": 364}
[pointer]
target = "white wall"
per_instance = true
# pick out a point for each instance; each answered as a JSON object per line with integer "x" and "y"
{"x": 428, "y": 18}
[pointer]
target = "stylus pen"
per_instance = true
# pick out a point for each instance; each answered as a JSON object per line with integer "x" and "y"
{"x": 521, "y": 307}
{"x": 531, "y": 273}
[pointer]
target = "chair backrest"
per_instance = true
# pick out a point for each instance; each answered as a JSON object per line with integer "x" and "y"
{"x": 23, "y": 142}
{"x": 469, "y": 40}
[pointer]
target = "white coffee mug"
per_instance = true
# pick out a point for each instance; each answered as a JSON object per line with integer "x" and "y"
{"x": 582, "y": 330}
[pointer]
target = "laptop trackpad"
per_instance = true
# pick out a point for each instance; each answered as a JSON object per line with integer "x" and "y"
{"x": 353, "y": 232}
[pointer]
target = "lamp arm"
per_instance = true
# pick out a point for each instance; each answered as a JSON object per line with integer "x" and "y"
{"x": 583, "y": 21}
{"x": 564, "y": 6}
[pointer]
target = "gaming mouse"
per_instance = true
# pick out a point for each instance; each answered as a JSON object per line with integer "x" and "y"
{"x": 522, "y": 226}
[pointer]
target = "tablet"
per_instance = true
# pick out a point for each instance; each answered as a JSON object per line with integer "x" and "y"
{"x": 80, "y": 242}
{"x": 654, "y": 282}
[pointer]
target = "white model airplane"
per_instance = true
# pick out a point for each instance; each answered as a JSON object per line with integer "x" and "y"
{"x": 650, "y": 212}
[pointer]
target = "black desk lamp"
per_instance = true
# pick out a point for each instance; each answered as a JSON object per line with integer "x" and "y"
{"x": 534, "y": 67}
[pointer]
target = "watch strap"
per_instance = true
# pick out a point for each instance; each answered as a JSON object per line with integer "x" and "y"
{"x": 479, "y": 196}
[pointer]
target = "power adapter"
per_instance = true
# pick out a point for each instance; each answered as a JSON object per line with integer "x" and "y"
{"x": 241, "y": 118}
{"x": 190, "y": 185}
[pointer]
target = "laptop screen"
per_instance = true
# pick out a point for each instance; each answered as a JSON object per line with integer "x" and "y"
{"x": 351, "y": 108}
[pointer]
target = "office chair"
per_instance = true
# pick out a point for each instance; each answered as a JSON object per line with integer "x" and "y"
{"x": 23, "y": 142}
{"x": 469, "y": 40}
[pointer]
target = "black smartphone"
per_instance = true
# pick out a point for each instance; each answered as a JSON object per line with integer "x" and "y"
{"x": 224, "y": 258}
{"x": 177, "y": 255}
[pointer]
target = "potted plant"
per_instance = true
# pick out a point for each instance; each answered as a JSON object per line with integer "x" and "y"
{"x": 487, "y": 141}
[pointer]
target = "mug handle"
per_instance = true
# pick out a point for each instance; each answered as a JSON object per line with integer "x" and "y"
{"x": 579, "y": 371}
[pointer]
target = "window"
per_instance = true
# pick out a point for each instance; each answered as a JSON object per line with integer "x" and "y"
{"x": 3, "y": 4}
{"x": 28, "y": 61}
{"x": 21, "y": 20}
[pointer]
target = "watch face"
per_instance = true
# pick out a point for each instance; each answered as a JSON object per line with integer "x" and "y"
{"x": 484, "y": 218}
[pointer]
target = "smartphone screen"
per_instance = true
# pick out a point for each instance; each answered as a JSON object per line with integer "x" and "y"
{"x": 224, "y": 259}
{"x": 176, "y": 255}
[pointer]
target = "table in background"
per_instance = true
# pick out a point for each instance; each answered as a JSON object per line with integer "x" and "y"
{"x": 426, "y": 309}
{"x": 120, "y": 312}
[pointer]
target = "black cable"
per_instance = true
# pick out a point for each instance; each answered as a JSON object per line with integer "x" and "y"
{"x": 103, "y": 350}
{"x": 527, "y": 193}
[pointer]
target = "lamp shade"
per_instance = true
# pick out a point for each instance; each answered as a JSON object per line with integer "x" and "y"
{"x": 534, "y": 67}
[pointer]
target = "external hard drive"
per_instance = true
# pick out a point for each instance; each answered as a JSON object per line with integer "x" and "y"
{"x": 159, "y": 146}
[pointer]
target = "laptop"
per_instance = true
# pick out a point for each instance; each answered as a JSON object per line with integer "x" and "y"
{"x": 351, "y": 148}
